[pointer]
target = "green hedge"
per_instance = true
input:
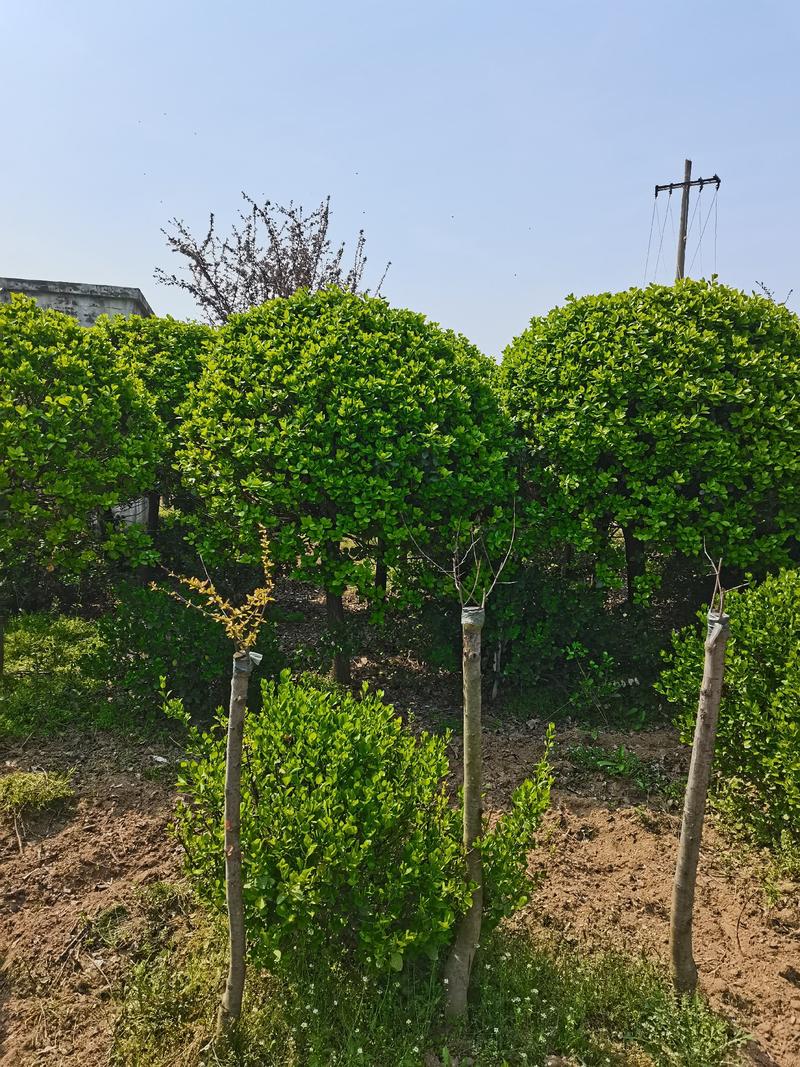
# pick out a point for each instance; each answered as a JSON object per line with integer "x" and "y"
{"x": 757, "y": 761}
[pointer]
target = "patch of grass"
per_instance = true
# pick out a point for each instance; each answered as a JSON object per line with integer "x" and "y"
{"x": 50, "y": 682}
{"x": 162, "y": 901}
{"x": 781, "y": 877}
{"x": 105, "y": 930}
{"x": 532, "y": 1000}
{"x": 647, "y": 775}
{"x": 539, "y": 999}
{"x": 26, "y": 792}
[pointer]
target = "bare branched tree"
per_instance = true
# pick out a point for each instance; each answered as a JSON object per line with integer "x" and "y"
{"x": 272, "y": 251}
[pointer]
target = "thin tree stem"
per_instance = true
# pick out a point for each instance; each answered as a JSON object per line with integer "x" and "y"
{"x": 468, "y": 931}
{"x": 684, "y": 968}
{"x": 230, "y": 1008}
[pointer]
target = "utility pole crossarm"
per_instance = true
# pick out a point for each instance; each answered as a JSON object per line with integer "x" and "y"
{"x": 697, "y": 183}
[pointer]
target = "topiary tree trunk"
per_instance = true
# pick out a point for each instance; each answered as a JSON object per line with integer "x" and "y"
{"x": 684, "y": 969}
{"x": 230, "y": 1007}
{"x": 468, "y": 931}
{"x": 334, "y": 607}
{"x": 634, "y": 560}
{"x": 381, "y": 571}
{"x": 153, "y": 510}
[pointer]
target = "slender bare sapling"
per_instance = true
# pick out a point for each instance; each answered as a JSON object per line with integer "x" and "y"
{"x": 242, "y": 624}
{"x": 458, "y": 967}
{"x": 684, "y": 968}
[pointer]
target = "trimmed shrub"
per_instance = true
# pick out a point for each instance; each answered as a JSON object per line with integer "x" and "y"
{"x": 671, "y": 413}
{"x": 77, "y": 436}
{"x": 350, "y": 845}
{"x": 349, "y": 430}
{"x": 165, "y": 355}
{"x": 757, "y": 761}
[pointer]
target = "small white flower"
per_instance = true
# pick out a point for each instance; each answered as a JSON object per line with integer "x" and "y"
{"x": 497, "y": 1030}
{"x": 408, "y": 1022}
{"x": 447, "y": 981}
{"x": 360, "y": 1051}
{"x": 415, "y": 1048}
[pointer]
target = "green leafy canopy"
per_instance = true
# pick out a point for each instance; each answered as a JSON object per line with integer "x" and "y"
{"x": 335, "y": 420}
{"x": 165, "y": 355}
{"x": 77, "y": 436}
{"x": 670, "y": 411}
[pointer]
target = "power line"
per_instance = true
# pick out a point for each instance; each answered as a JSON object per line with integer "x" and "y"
{"x": 700, "y": 242}
{"x": 660, "y": 244}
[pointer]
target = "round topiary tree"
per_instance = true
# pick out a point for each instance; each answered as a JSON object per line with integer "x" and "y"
{"x": 671, "y": 413}
{"x": 77, "y": 436}
{"x": 351, "y": 431}
{"x": 165, "y": 354}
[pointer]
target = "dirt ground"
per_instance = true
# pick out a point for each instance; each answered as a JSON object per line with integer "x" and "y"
{"x": 57, "y": 998}
{"x": 608, "y": 853}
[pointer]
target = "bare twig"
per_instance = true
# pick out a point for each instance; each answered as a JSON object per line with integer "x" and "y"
{"x": 507, "y": 556}
{"x": 423, "y": 553}
{"x": 16, "y": 831}
{"x": 770, "y": 294}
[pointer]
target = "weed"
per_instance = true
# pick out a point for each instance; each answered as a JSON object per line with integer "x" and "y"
{"x": 647, "y": 775}
{"x": 531, "y": 1000}
{"x": 51, "y": 680}
{"x": 106, "y": 929}
{"x": 24, "y": 792}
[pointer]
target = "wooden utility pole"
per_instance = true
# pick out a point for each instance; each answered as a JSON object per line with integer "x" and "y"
{"x": 685, "y": 186}
{"x": 687, "y": 177}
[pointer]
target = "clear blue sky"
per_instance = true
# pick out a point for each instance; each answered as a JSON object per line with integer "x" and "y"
{"x": 501, "y": 154}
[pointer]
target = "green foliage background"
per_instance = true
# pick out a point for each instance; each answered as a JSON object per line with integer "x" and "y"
{"x": 165, "y": 355}
{"x": 757, "y": 760}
